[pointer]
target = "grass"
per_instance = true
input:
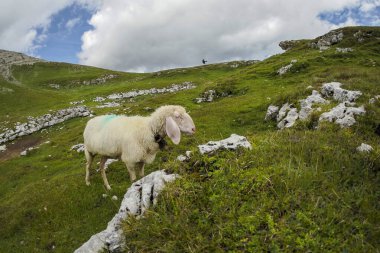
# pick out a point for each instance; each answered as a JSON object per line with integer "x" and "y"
{"x": 298, "y": 190}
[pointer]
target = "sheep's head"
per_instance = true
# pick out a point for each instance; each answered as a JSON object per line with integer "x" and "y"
{"x": 179, "y": 121}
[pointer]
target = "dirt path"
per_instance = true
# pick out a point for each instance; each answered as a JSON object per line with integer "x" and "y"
{"x": 19, "y": 145}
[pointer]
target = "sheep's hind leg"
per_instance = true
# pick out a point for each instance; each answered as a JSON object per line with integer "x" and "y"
{"x": 103, "y": 172}
{"x": 89, "y": 158}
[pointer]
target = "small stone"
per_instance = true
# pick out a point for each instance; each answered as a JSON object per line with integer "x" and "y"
{"x": 364, "y": 148}
{"x": 104, "y": 195}
{"x": 114, "y": 197}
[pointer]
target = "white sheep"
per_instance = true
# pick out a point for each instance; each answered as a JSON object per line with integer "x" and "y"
{"x": 135, "y": 140}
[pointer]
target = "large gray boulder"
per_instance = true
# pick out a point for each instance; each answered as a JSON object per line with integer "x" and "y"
{"x": 334, "y": 90}
{"x": 139, "y": 197}
{"x": 343, "y": 114}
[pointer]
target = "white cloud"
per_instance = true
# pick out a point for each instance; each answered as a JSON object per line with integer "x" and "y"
{"x": 150, "y": 35}
{"x": 21, "y": 20}
{"x": 72, "y": 22}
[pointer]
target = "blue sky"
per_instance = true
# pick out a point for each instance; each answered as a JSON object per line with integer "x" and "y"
{"x": 149, "y": 35}
{"x": 63, "y": 36}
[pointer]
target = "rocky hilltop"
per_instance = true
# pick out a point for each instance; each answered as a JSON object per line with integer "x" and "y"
{"x": 9, "y": 58}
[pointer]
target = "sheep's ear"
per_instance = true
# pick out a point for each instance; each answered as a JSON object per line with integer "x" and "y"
{"x": 172, "y": 130}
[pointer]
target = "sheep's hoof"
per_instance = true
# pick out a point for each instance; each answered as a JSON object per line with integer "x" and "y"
{"x": 108, "y": 187}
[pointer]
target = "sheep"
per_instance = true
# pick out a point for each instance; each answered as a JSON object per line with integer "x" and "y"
{"x": 135, "y": 140}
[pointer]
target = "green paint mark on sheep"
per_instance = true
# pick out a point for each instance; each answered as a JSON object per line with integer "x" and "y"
{"x": 108, "y": 118}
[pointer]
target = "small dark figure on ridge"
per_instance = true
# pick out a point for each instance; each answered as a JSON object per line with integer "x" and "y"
{"x": 204, "y": 61}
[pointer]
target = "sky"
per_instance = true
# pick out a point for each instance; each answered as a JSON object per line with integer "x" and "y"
{"x": 151, "y": 35}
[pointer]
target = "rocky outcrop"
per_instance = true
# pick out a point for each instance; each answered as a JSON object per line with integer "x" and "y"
{"x": 108, "y": 105}
{"x": 231, "y": 143}
{"x": 343, "y": 114}
{"x": 324, "y": 42}
{"x": 344, "y": 50}
{"x": 36, "y": 124}
{"x": 9, "y": 58}
{"x": 334, "y": 90}
{"x": 139, "y": 197}
{"x": 288, "y": 44}
{"x": 362, "y": 36}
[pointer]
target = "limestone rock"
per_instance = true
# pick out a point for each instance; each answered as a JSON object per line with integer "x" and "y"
{"x": 343, "y": 114}
{"x": 307, "y": 104}
{"x": 288, "y": 44}
{"x": 289, "y": 120}
{"x": 272, "y": 112}
{"x": 139, "y": 197}
{"x": 364, "y": 148}
{"x": 344, "y": 50}
{"x": 286, "y": 68}
{"x": 78, "y": 147}
{"x": 207, "y": 96}
{"x": 334, "y": 90}
{"x": 327, "y": 40}
{"x": 231, "y": 143}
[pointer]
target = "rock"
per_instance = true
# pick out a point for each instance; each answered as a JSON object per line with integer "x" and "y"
{"x": 171, "y": 89}
{"x": 333, "y": 90}
{"x": 288, "y": 44}
{"x": 343, "y": 114}
{"x": 182, "y": 158}
{"x": 24, "y": 153}
{"x": 99, "y": 99}
{"x": 4, "y": 90}
{"x": 139, "y": 197}
{"x": 374, "y": 99}
{"x": 364, "y": 148}
{"x": 284, "y": 69}
{"x": 282, "y": 112}
{"x": 307, "y": 104}
{"x": 361, "y": 36}
{"x": 3, "y": 148}
{"x": 78, "y": 147}
{"x": 108, "y": 105}
{"x": 272, "y": 112}
{"x": 289, "y": 120}
{"x": 231, "y": 143}
{"x": 344, "y": 50}
{"x": 77, "y": 102}
{"x": 54, "y": 86}
{"x": 207, "y": 96}
{"x": 36, "y": 124}
{"x": 327, "y": 40}
{"x": 309, "y": 87}
{"x": 114, "y": 198}
{"x": 104, "y": 195}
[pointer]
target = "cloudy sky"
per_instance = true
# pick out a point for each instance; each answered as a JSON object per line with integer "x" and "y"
{"x": 149, "y": 35}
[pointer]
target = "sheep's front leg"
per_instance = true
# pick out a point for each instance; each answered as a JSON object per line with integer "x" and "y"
{"x": 131, "y": 170}
{"x": 89, "y": 159}
{"x": 140, "y": 169}
{"x": 103, "y": 172}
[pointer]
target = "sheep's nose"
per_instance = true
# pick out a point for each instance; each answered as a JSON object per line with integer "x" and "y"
{"x": 193, "y": 129}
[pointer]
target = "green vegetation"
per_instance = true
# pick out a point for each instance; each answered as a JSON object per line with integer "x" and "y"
{"x": 298, "y": 190}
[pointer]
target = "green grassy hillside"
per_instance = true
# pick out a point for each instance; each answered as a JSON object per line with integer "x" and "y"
{"x": 298, "y": 190}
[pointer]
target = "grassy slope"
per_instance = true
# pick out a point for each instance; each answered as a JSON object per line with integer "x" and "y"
{"x": 298, "y": 189}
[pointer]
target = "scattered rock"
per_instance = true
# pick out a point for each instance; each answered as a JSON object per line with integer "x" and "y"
{"x": 139, "y": 197}
{"x": 4, "y": 90}
{"x": 104, "y": 195}
{"x": 286, "y": 68}
{"x": 374, "y": 99}
{"x": 272, "y": 112}
{"x": 333, "y": 90}
{"x": 77, "y": 102}
{"x": 114, "y": 198}
{"x": 26, "y": 151}
{"x": 307, "y": 104}
{"x": 99, "y": 80}
{"x": 108, "y": 105}
{"x": 309, "y": 87}
{"x": 36, "y": 124}
{"x": 207, "y": 96}
{"x": 3, "y": 148}
{"x": 78, "y": 147}
{"x": 171, "y": 89}
{"x": 344, "y": 50}
{"x": 231, "y": 143}
{"x": 343, "y": 114}
{"x": 364, "y": 148}
{"x": 54, "y": 86}
{"x": 183, "y": 158}
{"x": 289, "y": 120}
{"x": 361, "y": 36}
{"x": 99, "y": 99}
